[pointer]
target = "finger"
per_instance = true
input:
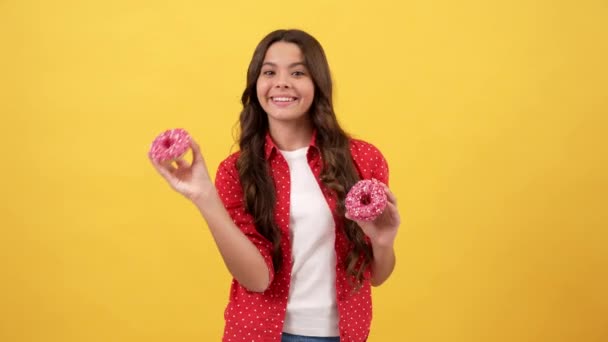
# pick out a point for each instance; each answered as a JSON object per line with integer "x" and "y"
{"x": 181, "y": 163}
{"x": 392, "y": 212}
{"x": 162, "y": 170}
{"x": 391, "y": 208}
{"x": 389, "y": 195}
{"x": 197, "y": 155}
{"x": 169, "y": 167}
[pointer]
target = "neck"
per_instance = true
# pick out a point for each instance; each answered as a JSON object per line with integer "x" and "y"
{"x": 292, "y": 136}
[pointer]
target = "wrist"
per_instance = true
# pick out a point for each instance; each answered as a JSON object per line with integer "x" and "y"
{"x": 202, "y": 196}
{"x": 381, "y": 245}
{"x": 382, "y": 253}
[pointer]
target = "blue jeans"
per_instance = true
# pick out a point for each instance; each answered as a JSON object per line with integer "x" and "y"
{"x": 297, "y": 338}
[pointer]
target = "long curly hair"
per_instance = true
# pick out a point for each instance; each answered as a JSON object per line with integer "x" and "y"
{"x": 338, "y": 174}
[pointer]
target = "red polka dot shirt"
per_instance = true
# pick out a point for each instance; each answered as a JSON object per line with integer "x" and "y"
{"x": 253, "y": 316}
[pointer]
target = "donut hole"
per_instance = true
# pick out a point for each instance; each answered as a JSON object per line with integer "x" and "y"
{"x": 167, "y": 142}
{"x": 366, "y": 199}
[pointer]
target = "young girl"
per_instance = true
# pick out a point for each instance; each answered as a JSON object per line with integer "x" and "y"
{"x": 301, "y": 270}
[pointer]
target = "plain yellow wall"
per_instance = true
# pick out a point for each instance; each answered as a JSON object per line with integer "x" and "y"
{"x": 492, "y": 115}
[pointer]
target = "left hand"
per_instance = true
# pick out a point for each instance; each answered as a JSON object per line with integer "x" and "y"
{"x": 383, "y": 230}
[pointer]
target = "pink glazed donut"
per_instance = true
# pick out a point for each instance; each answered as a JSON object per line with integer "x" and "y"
{"x": 366, "y": 200}
{"x": 170, "y": 145}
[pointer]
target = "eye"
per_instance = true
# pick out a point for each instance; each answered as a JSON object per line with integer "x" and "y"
{"x": 268, "y": 72}
{"x": 298, "y": 73}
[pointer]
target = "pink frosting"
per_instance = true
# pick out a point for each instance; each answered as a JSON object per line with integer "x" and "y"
{"x": 366, "y": 200}
{"x": 170, "y": 145}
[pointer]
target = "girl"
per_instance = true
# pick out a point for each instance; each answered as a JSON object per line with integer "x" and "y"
{"x": 301, "y": 270}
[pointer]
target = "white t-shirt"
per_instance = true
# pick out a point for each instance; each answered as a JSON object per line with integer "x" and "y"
{"x": 311, "y": 307}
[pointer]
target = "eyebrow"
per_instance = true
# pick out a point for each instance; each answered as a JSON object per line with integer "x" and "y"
{"x": 290, "y": 65}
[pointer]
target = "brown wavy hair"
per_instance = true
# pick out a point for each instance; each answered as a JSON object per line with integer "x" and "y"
{"x": 338, "y": 173}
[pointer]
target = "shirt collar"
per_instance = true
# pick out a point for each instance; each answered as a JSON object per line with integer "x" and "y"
{"x": 270, "y": 147}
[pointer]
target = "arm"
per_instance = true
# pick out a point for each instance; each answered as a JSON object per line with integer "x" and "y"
{"x": 386, "y": 227}
{"x": 383, "y": 263}
{"x": 382, "y": 231}
{"x": 242, "y": 258}
{"x": 245, "y": 252}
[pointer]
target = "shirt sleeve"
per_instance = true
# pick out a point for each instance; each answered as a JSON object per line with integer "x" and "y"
{"x": 380, "y": 167}
{"x": 229, "y": 189}
{"x": 369, "y": 161}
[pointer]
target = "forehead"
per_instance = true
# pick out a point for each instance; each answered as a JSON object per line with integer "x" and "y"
{"x": 281, "y": 53}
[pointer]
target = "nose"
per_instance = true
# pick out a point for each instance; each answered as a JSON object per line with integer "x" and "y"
{"x": 282, "y": 81}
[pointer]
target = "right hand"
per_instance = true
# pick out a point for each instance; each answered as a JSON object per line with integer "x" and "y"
{"x": 190, "y": 180}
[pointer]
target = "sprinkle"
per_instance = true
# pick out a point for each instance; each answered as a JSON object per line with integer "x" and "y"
{"x": 170, "y": 145}
{"x": 366, "y": 200}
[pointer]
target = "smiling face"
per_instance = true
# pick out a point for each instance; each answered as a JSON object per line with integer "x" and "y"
{"x": 284, "y": 87}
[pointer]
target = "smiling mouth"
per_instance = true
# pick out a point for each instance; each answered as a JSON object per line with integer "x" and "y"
{"x": 283, "y": 99}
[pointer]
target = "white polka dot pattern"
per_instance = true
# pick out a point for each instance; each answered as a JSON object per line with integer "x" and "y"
{"x": 252, "y": 316}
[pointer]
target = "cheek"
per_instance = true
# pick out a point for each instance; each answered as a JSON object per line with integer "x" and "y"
{"x": 260, "y": 89}
{"x": 310, "y": 91}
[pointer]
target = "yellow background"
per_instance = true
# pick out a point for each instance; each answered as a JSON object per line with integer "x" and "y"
{"x": 492, "y": 115}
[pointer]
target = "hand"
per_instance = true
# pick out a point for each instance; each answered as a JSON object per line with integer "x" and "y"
{"x": 191, "y": 180}
{"x": 383, "y": 230}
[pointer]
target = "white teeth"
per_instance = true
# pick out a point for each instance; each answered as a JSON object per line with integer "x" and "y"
{"x": 283, "y": 99}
